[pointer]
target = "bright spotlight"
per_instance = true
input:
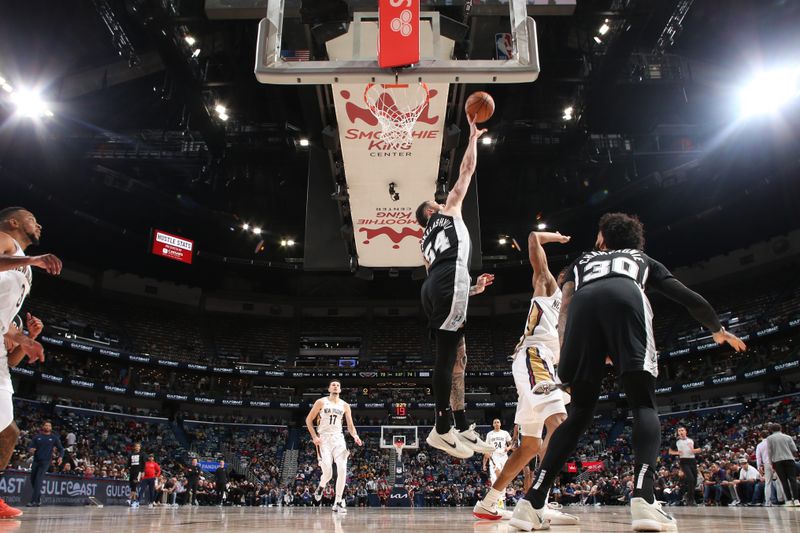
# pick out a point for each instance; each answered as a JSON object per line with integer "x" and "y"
{"x": 290, "y": 242}
{"x": 604, "y": 28}
{"x": 598, "y": 40}
{"x": 304, "y": 142}
{"x": 30, "y": 104}
{"x": 257, "y": 231}
{"x": 541, "y": 225}
{"x": 284, "y": 242}
{"x": 769, "y": 91}
{"x": 502, "y": 240}
{"x": 190, "y": 40}
{"x": 568, "y": 113}
{"x": 221, "y": 109}
{"x": 223, "y": 117}
{"x": 196, "y": 53}
{"x": 486, "y": 141}
{"x": 245, "y": 226}
{"x": 6, "y": 87}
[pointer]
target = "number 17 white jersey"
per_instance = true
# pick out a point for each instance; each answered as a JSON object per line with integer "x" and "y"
{"x": 330, "y": 417}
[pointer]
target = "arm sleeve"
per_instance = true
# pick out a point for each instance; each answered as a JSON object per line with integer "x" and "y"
{"x": 697, "y": 306}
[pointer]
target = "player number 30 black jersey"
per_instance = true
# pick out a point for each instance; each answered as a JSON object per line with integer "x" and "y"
{"x": 630, "y": 264}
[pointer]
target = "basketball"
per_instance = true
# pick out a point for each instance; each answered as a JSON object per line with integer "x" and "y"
{"x": 481, "y": 105}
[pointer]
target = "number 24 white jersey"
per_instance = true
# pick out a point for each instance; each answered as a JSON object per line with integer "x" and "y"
{"x": 499, "y": 440}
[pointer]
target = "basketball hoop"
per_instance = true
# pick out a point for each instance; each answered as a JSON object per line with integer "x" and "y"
{"x": 398, "y": 446}
{"x": 397, "y": 108}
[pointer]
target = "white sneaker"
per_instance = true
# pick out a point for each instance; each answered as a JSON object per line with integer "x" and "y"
{"x": 340, "y": 508}
{"x": 473, "y": 441}
{"x": 557, "y": 518}
{"x": 527, "y": 518}
{"x": 318, "y": 494}
{"x": 449, "y": 443}
{"x": 650, "y": 517}
{"x": 481, "y": 511}
{"x": 134, "y": 504}
{"x": 797, "y": 503}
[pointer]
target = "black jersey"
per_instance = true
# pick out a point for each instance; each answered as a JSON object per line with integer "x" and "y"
{"x": 627, "y": 264}
{"x": 446, "y": 241}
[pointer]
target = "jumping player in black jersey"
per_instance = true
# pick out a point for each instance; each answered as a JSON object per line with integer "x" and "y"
{"x": 446, "y": 249}
{"x": 605, "y": 312}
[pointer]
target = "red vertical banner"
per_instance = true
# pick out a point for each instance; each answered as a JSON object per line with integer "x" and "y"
{"x": 398, "y": 33}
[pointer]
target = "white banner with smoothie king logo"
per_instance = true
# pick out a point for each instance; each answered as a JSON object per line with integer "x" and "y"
{"x": 385, "y": 227}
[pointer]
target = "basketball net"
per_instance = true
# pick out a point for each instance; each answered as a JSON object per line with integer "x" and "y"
{"x": 397, "y": 108}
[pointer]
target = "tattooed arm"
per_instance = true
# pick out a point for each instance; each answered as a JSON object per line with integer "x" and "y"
{"x": 457, "y": 392}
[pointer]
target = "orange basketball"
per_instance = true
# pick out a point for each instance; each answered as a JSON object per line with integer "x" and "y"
{"x": 481, "y": 105}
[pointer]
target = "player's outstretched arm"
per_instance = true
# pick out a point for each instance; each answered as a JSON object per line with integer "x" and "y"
{"x": 700, "y": 310}
{"x": 312, "y": 416}
{"x": 351, "y": 427}
{"x": 468, "y": 165}
{"x": 544, "y": 284}
{"x": 8, "y": 261}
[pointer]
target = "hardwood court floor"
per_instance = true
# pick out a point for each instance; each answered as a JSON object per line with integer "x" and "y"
{"x": 258, "y": 520}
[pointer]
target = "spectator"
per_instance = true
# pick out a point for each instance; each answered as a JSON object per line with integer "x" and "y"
{"x": 149, "y": 475}
{"x": 746, "y": 484}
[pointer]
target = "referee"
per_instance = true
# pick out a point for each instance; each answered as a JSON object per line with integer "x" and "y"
{"x": 685, "y": 450}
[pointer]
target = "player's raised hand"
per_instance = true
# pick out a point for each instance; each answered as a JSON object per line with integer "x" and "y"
{"x": 474, "y": 132}
{"x": 33, "y": 349}
{"x": 552, "y": 236}
{"x": 724, "y": 336}
{"x": 483, "y": 281}
{"x": 35, "y": 326}
{"x": 47, "y": 262}
{"x": 358, "y": 441}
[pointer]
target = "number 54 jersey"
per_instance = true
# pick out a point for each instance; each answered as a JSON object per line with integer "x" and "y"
{"x": 610, "y": 315}
{"x": 447, "y": 248}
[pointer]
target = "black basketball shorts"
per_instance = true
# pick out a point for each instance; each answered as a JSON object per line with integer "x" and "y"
{"x": 445, "y": 295}
{"x": 608, "y": 318}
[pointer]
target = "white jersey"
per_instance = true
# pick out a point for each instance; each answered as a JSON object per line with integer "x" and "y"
{"x": 500, "y": 441}
{"x": 541, "y": 327}
{"x": 15, "y": 285}
{"x": 330, "y": 417}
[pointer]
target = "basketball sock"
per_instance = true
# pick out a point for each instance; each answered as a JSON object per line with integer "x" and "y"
{"x": 443, "y": 423}
{"x": 639, "y": 390}
{"x": 492, "y": 496}
{"x": 643, "y": 479}
{"x": 446, "y": 352}
{"x": 460, "y": 418}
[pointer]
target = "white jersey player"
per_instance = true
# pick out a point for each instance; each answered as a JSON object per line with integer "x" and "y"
{"x": 500, "y": 440}
{"x": 535, "y": 358}
{"x": 18, "y": 230}
{"x": 329, "y": 440}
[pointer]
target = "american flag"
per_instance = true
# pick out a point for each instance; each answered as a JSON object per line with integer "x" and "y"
{"x": 296, "y": 55}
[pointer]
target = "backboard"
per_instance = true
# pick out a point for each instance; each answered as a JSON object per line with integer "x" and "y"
{"x": 359, "y": 64}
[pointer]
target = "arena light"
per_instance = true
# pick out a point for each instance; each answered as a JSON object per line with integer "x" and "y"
{"x": 541, "y": 226}
{"x": 304, "y": 142}
{"x": 257, "y": 230}
{"x": 30, "y": 104}
{"x": 604, "y": 28}
{"x": 223, "y": 117}
{"x": 598, "y": 40}
{"x": 196, "y": 53}
{"x": 486, "y": 141}
{"x": 289, "y": 242}
{"x": 768, "y": 92}
{"x": 502, "y": 240}
{"x": 284, "y": 242}
{"x": 568, "y": 113}
{"x": 190, "y": 40}
{"x": 245, "y": 226}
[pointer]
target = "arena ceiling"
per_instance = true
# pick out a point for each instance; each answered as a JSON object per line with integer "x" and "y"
{"x": 135, "y": 141}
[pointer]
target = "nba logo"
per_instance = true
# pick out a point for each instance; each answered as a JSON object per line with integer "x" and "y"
{"x": 504, "y": 45}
